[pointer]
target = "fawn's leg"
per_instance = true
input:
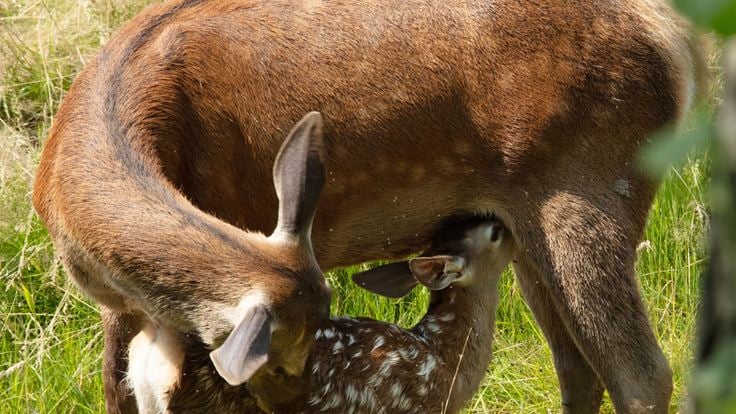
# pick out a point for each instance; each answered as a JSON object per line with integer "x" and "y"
{"x": 580, "y": 387}
{"x": 586, "y": 246}
{"x": 119, "y": 329}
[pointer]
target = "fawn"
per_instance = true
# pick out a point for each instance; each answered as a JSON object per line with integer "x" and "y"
{"x": 360, "y": 365}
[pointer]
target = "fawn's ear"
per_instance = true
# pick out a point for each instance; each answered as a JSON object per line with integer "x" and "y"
{"x": 246, "y": 348}
{"x": 299, "y": 175}
{"x": 437, "y": 272}
{"x": 393, "y": 280}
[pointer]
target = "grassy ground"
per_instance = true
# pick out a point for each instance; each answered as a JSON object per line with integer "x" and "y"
{"x": 51, "y": 343}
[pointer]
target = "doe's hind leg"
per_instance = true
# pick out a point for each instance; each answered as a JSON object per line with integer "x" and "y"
{"x": 581, "y": 390}
{"x": 585, "y": 248}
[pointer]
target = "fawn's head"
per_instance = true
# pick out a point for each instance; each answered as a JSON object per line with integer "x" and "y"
{"x": 275, "y": 324}
{"x": 464, "y": 252}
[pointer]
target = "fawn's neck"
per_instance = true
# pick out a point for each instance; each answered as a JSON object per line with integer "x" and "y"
{"x": 459, "y": 326}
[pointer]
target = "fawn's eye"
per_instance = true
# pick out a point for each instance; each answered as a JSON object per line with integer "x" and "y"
{"x": 496, "y": 232}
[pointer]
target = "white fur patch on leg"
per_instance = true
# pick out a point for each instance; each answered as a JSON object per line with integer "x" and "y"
{"x": 155, "y": 361}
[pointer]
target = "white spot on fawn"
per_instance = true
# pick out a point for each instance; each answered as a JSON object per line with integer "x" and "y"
{"x": 317, "y": 397}
{"x": 402, "y": 403}
{"x": 426, "y": 367}
{"x": 386, "y": 366}
{"x": 351, "y": 393}
{"x": 314, "y": 400}
{"x": 379, "y": 341}
{"x": 396, "y": 390}
{"x": 375, "y": 380}
{"x": 446, "y": 317}
{"x": 334, "y": 402}
{"x": 393, "y": 356}
{"x": 411, "y": 353}
{"x": 433, "y": 327}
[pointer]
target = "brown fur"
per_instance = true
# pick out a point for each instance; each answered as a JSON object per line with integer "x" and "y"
{"x": 534, "y": 110}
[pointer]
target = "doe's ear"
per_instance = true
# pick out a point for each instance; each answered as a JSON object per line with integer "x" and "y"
{"x": 393, "y": 280}
{"x": 246, "y": 348}
{"x": 437, "y": 272}
{"x": 299, "y": 175}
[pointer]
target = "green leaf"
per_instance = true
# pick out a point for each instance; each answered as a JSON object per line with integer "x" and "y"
{"x": 28, "y": 297}
{"x": 671, "y": 147}
{"x": 719, "y": 15}
{"x": 715, "y": 382}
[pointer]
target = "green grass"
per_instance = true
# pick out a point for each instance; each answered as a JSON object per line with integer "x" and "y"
{"x": 51, "y": 344}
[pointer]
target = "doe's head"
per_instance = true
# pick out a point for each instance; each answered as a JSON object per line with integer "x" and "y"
{"x": 463, "y": 252}
{"x": 274, "y": 328}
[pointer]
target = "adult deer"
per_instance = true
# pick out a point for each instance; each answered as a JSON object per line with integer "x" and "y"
{"x": 531, "y": 110}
